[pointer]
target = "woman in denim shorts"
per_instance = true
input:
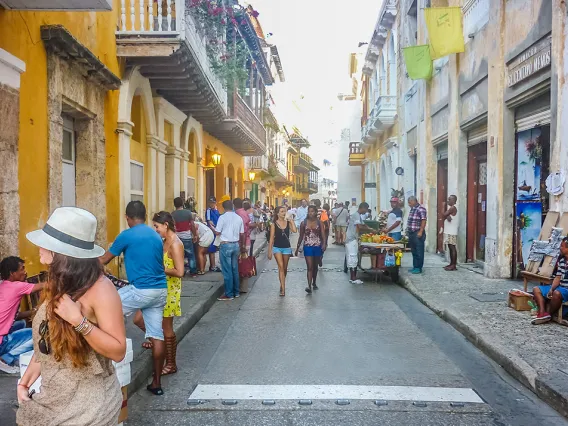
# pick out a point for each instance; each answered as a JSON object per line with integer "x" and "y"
{"x": 313, "y": 236}
{"x": 280, "y": 244}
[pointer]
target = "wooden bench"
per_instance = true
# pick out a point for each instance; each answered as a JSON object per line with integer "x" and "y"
{"x": 541, "y": 272}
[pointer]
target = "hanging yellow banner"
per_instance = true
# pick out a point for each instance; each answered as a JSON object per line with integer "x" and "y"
{"x": 418, "y": 62}
{"x": 445, "y": 30}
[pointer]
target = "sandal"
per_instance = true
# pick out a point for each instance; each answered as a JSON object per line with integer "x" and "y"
{"x": 171, "y": 351}
{"x": 155, "y": 391}
{"x": 147, "y": 345}
{"x": 200, "y": 272}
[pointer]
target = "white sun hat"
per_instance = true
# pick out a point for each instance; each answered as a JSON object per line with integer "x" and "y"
{"x": 69, "y": 231}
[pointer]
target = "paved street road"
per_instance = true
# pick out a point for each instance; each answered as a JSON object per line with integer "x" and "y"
{"x": 361, "y": 343}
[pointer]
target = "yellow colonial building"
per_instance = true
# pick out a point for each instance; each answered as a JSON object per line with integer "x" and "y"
{"x": 117, "y": 104}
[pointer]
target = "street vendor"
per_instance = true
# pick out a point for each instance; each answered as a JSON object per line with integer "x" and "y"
{"x": 394, "y": 220}
{"x": 557, "y": 293}
{"x": 354, "y": 227}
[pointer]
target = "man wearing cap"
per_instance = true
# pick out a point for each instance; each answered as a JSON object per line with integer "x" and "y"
{"x": 144, "y": 260}
{"x": 394, "y": 221}
{"x": 212, "y": 217}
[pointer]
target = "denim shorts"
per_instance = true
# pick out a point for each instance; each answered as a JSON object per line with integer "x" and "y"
{"x": 151, "y": 302}
{"x": 545, "y": 289}
{"x": 286, "y": 250}
{"x": 312, "y": 251}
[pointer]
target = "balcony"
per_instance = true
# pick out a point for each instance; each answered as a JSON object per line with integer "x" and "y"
{"x": 242, "y": 130}
{"x": 70, "y": 5}
{"x": 383, "y": 115}
{"x": 166, "y": 43}
{"x": 309, "y": 187}
{"x": 258, "y": 164}
{"x": 356, "y": 154}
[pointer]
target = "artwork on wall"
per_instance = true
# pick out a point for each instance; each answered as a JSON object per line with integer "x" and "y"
{"x": 529, "y": 158}
{"x": 529, "y": 221}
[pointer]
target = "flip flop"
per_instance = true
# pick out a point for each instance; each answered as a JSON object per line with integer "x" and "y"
{"x": 155, "y": 391}
{"x": 147, "y": 345}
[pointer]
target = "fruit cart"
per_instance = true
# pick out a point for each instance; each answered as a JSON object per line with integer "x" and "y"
{"x": 385, "y": 254}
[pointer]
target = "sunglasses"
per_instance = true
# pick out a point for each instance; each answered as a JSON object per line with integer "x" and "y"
{"x": 43, "y": 343}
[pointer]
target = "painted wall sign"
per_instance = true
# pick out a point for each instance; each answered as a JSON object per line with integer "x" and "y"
{"x": 535, "y": 58}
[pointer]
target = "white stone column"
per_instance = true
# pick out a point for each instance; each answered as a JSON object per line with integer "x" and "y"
{"x": 200, "y": 190}
{"x": 124, "y": 132}
{"x": 152, "y": 164}
{"x": 559, "y": 102}
{"x": 161, "y": 175}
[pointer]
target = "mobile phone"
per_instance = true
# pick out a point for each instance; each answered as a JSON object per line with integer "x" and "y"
{"x": 31, "y": 393}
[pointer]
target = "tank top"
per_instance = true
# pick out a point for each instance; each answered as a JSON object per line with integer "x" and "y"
{"x": 312, "y": 236}
{"x": 451, "y": 228}
{"x": 281, "y": 236}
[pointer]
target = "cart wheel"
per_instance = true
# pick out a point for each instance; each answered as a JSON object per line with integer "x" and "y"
{"x": 345, "y": 264}
{"x": 393, "y": 273}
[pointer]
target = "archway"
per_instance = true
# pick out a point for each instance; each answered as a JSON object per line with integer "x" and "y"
{"x": 240, "y": 183}
{"x": 230, "y": 189}
{"x": 392, "y": 65}
{"x": 136, "y": 120}
{"x": 383, "y": 75}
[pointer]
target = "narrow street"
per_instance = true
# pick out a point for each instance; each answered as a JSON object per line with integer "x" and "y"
{"x": 343, "y": 342}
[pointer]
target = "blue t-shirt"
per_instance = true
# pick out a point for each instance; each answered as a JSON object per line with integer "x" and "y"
{"x": 144, "y": 256}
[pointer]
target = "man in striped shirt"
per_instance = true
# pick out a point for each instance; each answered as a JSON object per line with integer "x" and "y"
{"x": 557, "y": 293}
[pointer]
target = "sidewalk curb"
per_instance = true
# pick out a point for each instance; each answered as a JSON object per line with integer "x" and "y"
{"x": 514, "y": 365}
{"x": 142, "y": 367}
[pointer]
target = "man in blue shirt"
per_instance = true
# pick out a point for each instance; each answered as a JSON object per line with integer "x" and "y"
{"x": 144, "y": 258}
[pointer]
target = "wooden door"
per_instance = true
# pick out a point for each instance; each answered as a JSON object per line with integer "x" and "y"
{"x": 476, "y": 202}
{"x": 441, "y": 202}
{"x": 209, "y": 183}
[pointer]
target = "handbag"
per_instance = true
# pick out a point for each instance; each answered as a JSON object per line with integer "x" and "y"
{"x": 247, "y": 266}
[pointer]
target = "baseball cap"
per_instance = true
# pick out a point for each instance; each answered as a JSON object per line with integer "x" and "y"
{"x": 212, "y": 199}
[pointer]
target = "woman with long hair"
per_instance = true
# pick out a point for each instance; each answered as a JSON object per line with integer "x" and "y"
{"x": 312, "y": 235}
{"x": 174, "y": 267}
{"x": 279, "y": 244}
{"x": 77, "y": 330}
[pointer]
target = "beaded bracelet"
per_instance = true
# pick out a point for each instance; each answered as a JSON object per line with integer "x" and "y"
{"x": 82, "y": 326}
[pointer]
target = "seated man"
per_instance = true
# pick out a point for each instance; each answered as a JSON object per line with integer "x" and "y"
{"x": 15, "y": 339}
{"x": 554, "y": 294}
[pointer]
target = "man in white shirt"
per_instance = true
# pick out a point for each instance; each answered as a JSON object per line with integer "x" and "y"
{"x": 341, "y": 220}
{"x": 231, "y": 229}
{"x": 301, "y": 213}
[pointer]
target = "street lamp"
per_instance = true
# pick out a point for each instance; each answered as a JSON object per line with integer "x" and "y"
{"x": 252, "y": 175}
{"x": 216, "y": 158}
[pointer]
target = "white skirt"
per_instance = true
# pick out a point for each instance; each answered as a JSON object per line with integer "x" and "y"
{"x": 352, "y": 253}
{"x": 206, "y": 240}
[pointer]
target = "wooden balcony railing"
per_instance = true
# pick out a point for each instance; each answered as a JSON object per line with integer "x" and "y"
{"x": 241, "y": 111}
{"x": 356, "y": 148}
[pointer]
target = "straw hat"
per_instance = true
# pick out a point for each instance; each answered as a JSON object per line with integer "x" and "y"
{"x": 69, "y": 231}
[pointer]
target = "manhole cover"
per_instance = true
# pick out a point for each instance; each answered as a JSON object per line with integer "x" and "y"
{"x": 488, "y": 297}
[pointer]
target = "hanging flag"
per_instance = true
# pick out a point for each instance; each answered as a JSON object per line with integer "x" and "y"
{"x": 418, "y": 62}
{"x": 445, "y": 30}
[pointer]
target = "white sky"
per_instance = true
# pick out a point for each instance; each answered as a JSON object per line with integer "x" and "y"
{"x": 314, "y": 39}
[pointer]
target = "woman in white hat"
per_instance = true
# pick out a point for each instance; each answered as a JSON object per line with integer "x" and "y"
{"x": 77, "y": 330}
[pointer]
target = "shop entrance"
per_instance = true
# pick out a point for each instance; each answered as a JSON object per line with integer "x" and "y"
{"x": 441, "y": 202}
{"x": 532, "y": 154}
{"x": 476, "y": 202}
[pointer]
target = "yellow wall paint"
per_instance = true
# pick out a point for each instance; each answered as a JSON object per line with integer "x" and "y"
{"x": 20, "y": 36}
{"x": 228, "y": 156}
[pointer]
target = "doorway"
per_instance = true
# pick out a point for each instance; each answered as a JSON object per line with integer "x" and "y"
{"x": 210, "y": 183}
{"x": 69, "y": 165}
{"x": 476, "y": 202}
{"x": 441, "y": 202}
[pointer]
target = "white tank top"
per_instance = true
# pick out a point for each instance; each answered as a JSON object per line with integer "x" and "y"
{"x": 451, "y": 228}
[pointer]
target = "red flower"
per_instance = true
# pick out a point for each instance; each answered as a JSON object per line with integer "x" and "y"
{"x": 233, "y": 21}
{"x": 223, "y": 21}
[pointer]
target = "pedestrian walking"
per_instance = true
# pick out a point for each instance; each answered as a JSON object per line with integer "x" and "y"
{"x": 77, "y": 330}
{"x": 415, "y": 226}
{"x": 327, "y": 223}
{"x": 144, "y": 260}
{"x": 241, "y": 208}
{"x": 451, "y": 225}
{"x": 174, "y": 269}
{"x": 394, "y": 220}
{"x": 279, "y": 244}
{"x": 354, "y": 227}
{"x": 212, "y": 216}
{"x": 205, "y": 238}
{"x": 301, "y": 213}
{"x": 312, "y": 236}
{"x": 341, "y": 219}
{"x": 256, "y": 224}
{"x": 231, "y": 230}
{"x": 186, "y": 232}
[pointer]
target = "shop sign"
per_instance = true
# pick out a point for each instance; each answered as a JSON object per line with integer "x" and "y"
{"x": 370, "y": 184}
{"x": 531, "y": 61}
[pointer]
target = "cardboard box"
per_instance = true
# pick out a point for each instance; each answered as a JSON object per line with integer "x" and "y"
{"x": 124, "y": 410}
{"x": 519, "y": 300}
